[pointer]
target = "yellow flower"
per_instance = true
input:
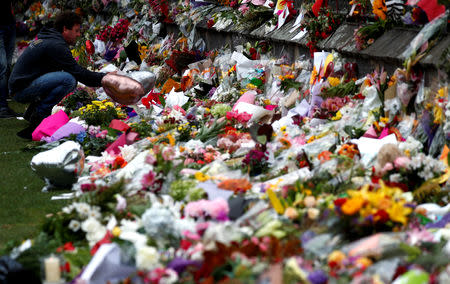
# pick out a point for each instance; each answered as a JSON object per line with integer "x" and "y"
{"x": 201, "y": 177}
{"x": 171, "y": 139}
{"x": 109, "y": 104}
{"x": 311, "y": 139}
{"x": 337, "y": 256}
{"x": 438, "y": 115}
{"x": 97, "y": 103}
{"x": 384, "y": 119}
{"x": 352, "y": 206}
{"x": 116, "y": 231}
{"x": 398, "y": 212}
{"x": 338, "y": 116}
{"x": 102, "y": 107}
{"x": 334, "y": 81}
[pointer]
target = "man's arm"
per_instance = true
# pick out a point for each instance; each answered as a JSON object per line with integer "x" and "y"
{"x": 64, "y": 60}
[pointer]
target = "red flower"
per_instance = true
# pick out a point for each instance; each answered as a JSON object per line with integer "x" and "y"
{"x": 66, "y": 247}
{"x": 381, "y": 216}
{"x": 185, "y": 244}
{"x": 340, "y": 201}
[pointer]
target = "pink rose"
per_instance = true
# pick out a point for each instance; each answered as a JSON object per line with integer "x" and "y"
{"x": 402, "y": 162}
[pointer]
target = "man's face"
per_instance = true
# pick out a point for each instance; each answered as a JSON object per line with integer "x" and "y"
{"x": 71, "y": 36}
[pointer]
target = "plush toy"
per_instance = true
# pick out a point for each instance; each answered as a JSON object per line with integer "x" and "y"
{"x": 387, "y": 154}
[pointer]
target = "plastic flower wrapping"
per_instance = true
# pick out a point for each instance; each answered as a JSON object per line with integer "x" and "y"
{"x": 243, "y": 165}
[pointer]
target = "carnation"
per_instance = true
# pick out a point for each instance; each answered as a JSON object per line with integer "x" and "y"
{"x": 220, "y": 110}
{"x": 147, "y": 258}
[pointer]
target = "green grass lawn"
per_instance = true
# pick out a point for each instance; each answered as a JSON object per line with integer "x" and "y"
{"x": 22, "y": 204}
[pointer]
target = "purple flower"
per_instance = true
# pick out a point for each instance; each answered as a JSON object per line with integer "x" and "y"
{"x": 179, "y": 264}
{"x": 318, "y": 277}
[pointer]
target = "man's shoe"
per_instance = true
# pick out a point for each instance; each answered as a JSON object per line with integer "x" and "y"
{"x": 26, "y": 133}
{"x": 30, "y": 111}
{"x": 6, "y": 112}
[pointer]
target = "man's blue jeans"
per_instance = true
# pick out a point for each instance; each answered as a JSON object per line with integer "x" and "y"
{"x": 7, "y": 45}
{"x": 46, "y": 91}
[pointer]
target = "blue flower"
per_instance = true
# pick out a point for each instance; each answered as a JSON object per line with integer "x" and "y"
{"x": 81, "y": 136}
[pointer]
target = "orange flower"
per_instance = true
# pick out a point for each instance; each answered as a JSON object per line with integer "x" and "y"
{"x": 379, "y": 9}
{"x": 324, "y": 156}
{"x": 169, "y": 84}
{"x": 237, "y": 185}
{"x": 352, "y": 206}
{"x": 349, "y": 150}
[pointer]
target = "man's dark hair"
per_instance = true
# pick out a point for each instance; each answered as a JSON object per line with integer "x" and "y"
{"x": 66, "y": 19}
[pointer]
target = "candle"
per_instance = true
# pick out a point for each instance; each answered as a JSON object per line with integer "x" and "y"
{"x": 52, "y": 270}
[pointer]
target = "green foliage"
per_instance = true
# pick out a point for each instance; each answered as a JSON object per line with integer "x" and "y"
{"x": 79, "y": 98}
{"x": 143, "y": 128}
{"x": 288, "y": 83}
{"x": 77, "y": 261}
{"x": 185, "y": 190}
{"x": 340, "y": 90}
{"x": 206, "y": 133}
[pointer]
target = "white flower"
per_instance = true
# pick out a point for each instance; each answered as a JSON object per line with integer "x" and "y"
{"x": 395, "y": 177}
{"x": 74, "y": 225}
{"x": 83, "y": 209}
{"x": 68, "y": 209}
{"x": 147, "y": 257}
{"x": 128, "y": 152}
{"x": 91, "y": 225}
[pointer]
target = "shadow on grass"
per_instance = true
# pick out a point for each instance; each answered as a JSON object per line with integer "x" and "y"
{"x": 23, "y": 205}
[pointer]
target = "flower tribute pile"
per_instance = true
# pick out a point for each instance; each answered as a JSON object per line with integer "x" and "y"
{"x": 241, "y": 166}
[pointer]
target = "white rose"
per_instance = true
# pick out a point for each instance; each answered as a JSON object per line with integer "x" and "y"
{"x": 90, "y": 225}
{"x": 146, "y": 257}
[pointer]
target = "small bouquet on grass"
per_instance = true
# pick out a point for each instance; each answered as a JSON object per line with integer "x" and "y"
{"x": 99, "y": 113}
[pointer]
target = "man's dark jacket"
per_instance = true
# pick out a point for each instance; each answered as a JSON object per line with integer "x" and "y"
{"x": 49, "y": 53}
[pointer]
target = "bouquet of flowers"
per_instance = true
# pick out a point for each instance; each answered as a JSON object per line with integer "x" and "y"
{"x": 320, "y": 27}
{"x": 99, "y": 113}
{"x": 77, "y": 99}
{"x": 369, "y": 210}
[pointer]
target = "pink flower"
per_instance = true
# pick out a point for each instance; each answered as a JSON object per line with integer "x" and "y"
{"x": 148, "y": 179}
{"x": 121, "y": 203}
{"x": 231, "y": 115}
{"x": 243, "y": 117}
{"x": 243, "y": 9}
{"x": 150, "y": 159}
{"x": 102, "y": 134}
{"x": 402, "y": 162}
{"x": 168, "y": 154}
